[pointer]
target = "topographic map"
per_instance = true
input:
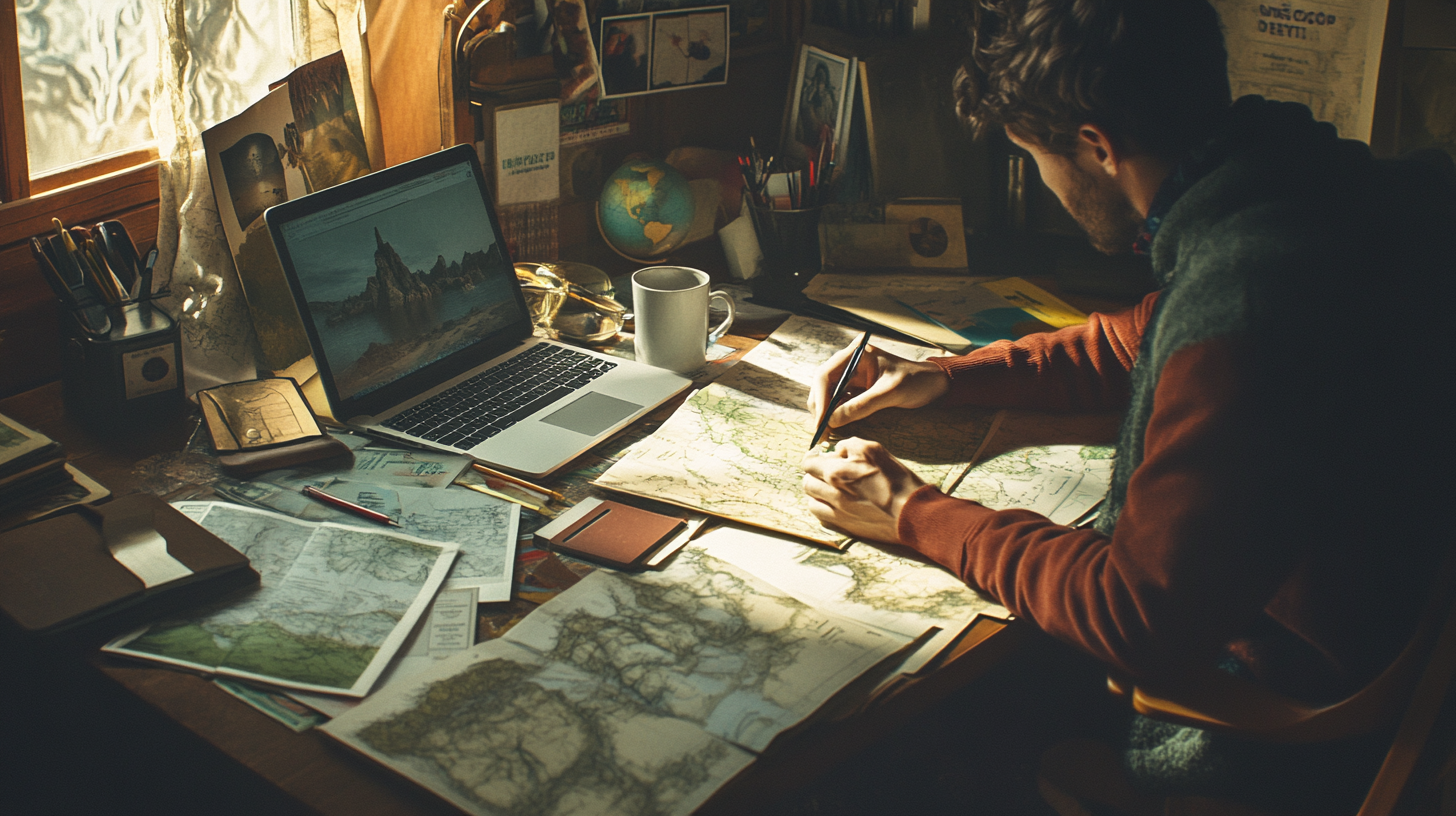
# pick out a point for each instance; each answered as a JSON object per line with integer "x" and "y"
{"x": 1061, "y": 482}
{"x": 864, "y": 583}
{"x": 734, "y": 448}
{"x": 627, "y": 694}
{"x": 334, "y": 605}
{"x": 484, "y": 527}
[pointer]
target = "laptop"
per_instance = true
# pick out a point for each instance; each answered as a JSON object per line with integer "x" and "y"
{"x": 417, "y": 323}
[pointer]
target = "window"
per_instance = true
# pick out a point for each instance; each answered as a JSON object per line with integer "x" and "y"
{"x": 77, "y": 79}
{"x": 87, "y": 73}
{"x": 88, "y": 70}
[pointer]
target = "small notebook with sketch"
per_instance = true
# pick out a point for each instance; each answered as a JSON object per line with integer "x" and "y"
{"x": 421, "y": 332}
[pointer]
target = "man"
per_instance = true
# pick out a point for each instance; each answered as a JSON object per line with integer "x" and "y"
{"x": 1277, "y": 499}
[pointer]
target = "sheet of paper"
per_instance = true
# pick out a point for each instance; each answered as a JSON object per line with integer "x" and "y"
{"x": 334, "y": 605}
{"x": 874, "y": 298}
{"x": 865, "y": 583}
{"x": 937, "y": 309}
{"x": 280, "y": 707}
{"x": 626, "y": 694}
{"x": 485, "y": 528}
{"x": 447, "y": 629}
{"x": 505, "y": 730}
{"x": 1322, "y": 53}
{"x": 735, "y": 448}
{"x": 1061, "y": 482}
{"x": 527, "y": 139}
{"x": 375, "y": 465}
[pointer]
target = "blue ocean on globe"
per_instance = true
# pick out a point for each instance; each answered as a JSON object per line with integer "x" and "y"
{"x": 646, "y": 209}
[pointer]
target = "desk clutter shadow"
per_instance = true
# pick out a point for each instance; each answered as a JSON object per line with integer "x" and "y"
{"x": 75, "y": 743}
{"x": 974, "y": 753}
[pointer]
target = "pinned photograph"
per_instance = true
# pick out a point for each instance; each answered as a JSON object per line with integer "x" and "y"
{"x": 690, "y": 49}
{"x": 625, "y": 56}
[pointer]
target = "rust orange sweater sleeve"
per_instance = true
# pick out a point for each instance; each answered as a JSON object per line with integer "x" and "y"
{"x": 1082, "y": 367}
{"x": 1189, "y": 532}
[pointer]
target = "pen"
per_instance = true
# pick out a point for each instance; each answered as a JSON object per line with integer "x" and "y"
{"x": 495, "y": 474}
{"x": 145, "y": 292}
{"x": 512, "y": 499}
{"x": 838, "y": 392}
{"x": 55, "y": 261}
{"x": 373, "y": 515}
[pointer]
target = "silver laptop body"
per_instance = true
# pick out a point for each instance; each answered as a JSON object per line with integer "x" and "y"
{"x": 406, "y": 290}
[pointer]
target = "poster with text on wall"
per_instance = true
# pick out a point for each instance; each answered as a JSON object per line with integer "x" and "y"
{"x": 1320, "y": 53}
{"x": 527, "y": 141}
{"x": 655, "y": 52}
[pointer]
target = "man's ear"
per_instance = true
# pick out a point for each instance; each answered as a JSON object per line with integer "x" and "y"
{"x": 1096, "y": 148}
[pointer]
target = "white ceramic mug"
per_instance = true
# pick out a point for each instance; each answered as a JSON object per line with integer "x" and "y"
{"x": 671, "y": 308}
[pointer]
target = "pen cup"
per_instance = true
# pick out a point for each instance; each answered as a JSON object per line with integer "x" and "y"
{"x": 130, "y": 374}
{"x": 789, "y": 240}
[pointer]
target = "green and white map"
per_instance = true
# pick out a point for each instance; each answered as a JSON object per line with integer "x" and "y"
{"x": 484, "y": 527}
{"x": 627, "y": 694}
{"x": 863, "y": 582}
{"x": 334, "y": 605}
{"x": 1061, "y": 482}
{"x": 735, "y": 448}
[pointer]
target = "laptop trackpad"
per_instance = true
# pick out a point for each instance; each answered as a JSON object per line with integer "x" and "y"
{"x": 592, "y": 413}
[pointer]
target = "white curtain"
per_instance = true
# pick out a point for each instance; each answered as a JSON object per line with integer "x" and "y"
{"x": 217, "y": 58}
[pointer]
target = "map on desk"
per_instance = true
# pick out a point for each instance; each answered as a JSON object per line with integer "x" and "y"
{"x": 334, "y": 605}
{"x": 626, "y": 694}
{"x": 483, "y": 526}
{"x": 864, "y": 582}
{"x": 1062, "y": 482}
{"x": 735, "y": 448}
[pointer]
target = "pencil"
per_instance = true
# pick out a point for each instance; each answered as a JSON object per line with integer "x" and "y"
{"x": 373, "y": 515}
{"x": 487, "y": 491}
{"x": 495, "y": 474}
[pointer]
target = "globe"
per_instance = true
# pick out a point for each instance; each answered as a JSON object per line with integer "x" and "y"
{"x": 645, "y": 209}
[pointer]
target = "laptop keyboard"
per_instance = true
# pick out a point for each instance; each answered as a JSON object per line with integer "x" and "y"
{"x": 499, "y": 397}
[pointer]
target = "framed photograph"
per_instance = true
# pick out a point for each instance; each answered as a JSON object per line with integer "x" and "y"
{"x": 818, "y": 116}
{"x": 663, "y": 51}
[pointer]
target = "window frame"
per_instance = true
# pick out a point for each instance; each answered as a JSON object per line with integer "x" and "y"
{"x": 121, "y": 186}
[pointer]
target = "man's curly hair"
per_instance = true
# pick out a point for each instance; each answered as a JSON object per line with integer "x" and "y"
{"x": 1152, "y": 73}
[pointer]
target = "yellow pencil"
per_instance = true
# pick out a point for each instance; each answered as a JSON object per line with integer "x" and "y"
{"x": 495, "y": 474}
{"x": 487, "y": 491}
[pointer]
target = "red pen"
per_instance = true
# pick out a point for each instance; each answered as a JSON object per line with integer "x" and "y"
{"x": 373, "y": 515}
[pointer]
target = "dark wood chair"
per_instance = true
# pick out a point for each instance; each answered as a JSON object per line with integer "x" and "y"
{"x": 1410, "y": 692}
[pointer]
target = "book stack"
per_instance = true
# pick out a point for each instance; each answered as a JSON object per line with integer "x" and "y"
{"x": 35, "y": 480}
{"x": 30, "y": 463}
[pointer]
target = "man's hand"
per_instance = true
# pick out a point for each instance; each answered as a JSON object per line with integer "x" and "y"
{"x": 881, "y": 380}
{"x": 859, "y": 488}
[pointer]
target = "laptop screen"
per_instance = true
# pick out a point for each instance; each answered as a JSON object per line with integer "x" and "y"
{"x": 399, "y": 276}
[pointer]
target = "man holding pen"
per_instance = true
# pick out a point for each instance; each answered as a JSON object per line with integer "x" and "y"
{"x": 1269, "y": 513}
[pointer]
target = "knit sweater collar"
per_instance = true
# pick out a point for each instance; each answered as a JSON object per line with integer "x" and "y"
{"x": 1253, "y": 123}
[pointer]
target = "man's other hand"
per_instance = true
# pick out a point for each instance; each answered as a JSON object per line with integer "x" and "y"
{"x": 859, "y": 489}
{"x": 881, "y": 380}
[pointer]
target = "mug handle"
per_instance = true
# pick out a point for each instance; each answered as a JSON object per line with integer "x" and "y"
{"x": 722, "y": 328}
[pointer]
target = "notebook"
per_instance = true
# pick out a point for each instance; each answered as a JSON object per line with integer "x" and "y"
{"x": 407, "y": 291}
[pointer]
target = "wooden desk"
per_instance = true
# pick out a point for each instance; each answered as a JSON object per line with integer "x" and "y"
{"x": 318, "y": 774}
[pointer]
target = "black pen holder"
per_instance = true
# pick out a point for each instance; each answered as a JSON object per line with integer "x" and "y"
{"x": 129, "y": 374}
{"x": 789, "y": 240}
